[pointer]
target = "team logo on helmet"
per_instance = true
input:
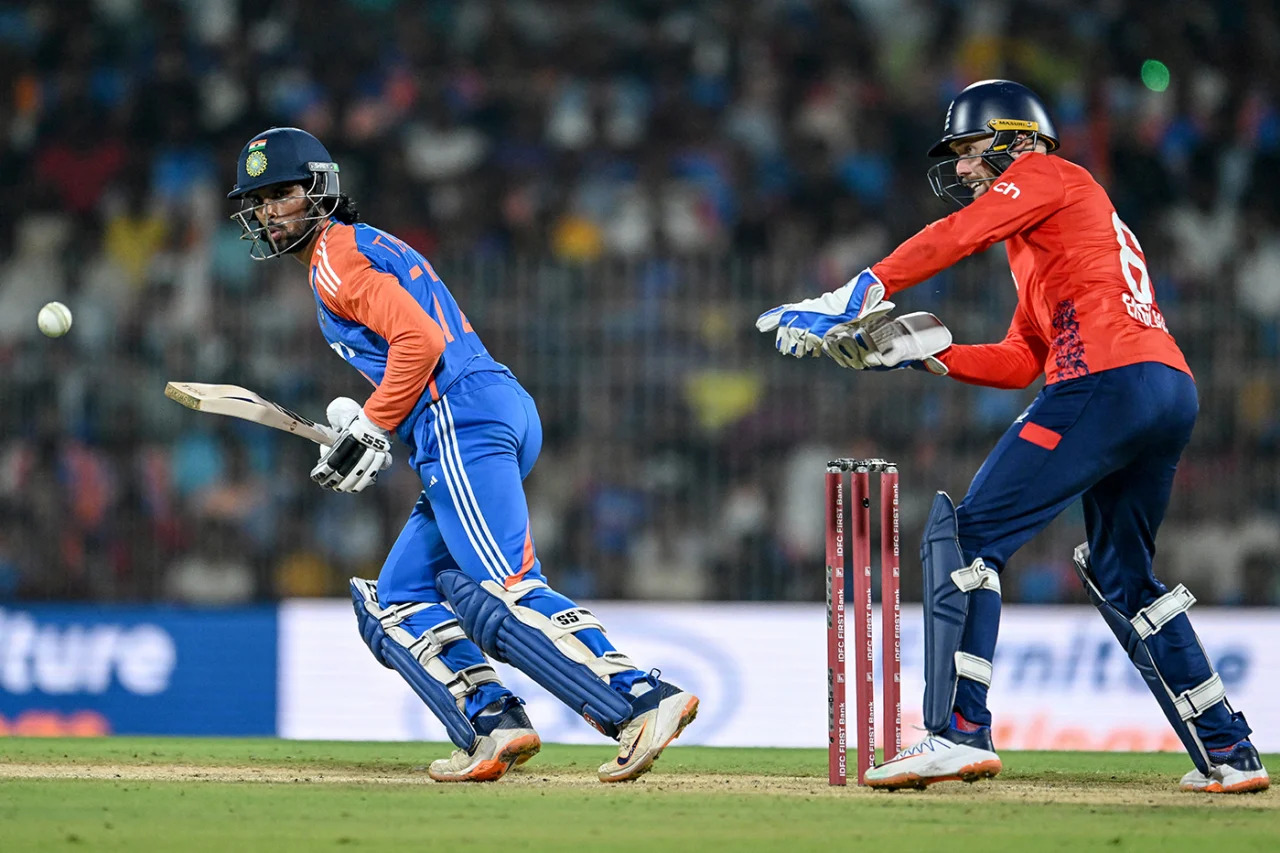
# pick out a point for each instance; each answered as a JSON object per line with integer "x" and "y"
{"x": 255, "y": 164}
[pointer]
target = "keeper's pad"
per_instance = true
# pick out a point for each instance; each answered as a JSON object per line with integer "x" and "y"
{"x": 542, "y": 647}
{"x": 948, "y": 582}
{"x": 1133, "y": 633}
{"x": 417, "y": 658}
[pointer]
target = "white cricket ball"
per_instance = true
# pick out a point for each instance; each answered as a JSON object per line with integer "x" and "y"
{"x": 54, "y": 319}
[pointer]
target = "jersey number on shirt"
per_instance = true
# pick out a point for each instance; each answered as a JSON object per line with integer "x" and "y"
{"x": 1139, "y": 302}
{"x": 1131, "y": 260}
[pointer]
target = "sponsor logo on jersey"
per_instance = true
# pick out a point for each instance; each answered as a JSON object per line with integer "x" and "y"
{"x": 1007, "y": 188}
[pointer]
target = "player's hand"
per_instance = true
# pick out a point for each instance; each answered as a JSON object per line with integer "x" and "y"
{"x": 889, "y": 343}
{"x": 362, "y": 450}
{"x": 801, "y": 326}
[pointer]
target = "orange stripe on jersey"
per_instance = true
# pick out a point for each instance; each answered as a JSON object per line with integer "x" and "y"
{"x": 440, "y": 318}
{"x": 415, "y": 273}
{"x": 352, "y": 289}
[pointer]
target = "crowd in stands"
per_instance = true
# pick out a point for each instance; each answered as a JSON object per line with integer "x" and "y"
{"x": 613, "y": 189}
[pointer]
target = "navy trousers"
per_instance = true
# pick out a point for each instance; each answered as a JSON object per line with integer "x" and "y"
{"x": 1112, "y": 439}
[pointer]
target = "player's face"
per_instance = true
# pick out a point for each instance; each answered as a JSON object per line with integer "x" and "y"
{"x": 971, "y": 169}
{"x": 282, "y": 210}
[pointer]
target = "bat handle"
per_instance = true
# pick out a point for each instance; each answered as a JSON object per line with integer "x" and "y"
{"x": 330, "y": 435}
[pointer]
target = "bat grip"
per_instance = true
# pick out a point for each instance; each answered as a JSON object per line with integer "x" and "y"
{"x": 331, "y": 435}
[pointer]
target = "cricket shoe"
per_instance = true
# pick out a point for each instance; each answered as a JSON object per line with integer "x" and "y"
{"x": 956, "y": 755}
{"x": 661, "y": 713}
{"x": 1235, "y": 770}
{"x": 504, "y": 738}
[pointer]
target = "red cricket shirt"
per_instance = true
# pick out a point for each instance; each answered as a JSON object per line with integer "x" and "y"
{"x": 1085, "y": 299}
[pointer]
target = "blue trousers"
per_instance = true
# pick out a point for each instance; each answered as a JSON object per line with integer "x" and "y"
{"x": 1112, "y": 439}
{"x": 472, "y": 449}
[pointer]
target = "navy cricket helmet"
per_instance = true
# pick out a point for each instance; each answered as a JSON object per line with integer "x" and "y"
{"x": 1002, "y": 109}
{"x": 283, "y": 155}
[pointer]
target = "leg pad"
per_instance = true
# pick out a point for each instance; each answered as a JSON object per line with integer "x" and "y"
{"x": 1133, "y": 633}
{"x": 418, "y": 658}
{"x": 542, "y": 647}
{"x": 948, "y": 583}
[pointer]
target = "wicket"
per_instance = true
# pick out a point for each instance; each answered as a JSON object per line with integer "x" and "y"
{"x": 890, "y": 613}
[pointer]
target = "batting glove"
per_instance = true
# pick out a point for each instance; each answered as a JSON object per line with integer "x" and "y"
{"x": 362, "y": 450}
{"x": 801, "y": 326}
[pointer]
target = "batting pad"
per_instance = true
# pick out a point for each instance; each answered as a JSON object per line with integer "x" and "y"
{"x": 418, "y": 658}
{"x": 542, "y": 647}
{"x": 948, "y": 582}
{"x": 1135, "y": 634}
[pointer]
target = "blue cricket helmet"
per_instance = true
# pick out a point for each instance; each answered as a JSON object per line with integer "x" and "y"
{"x": 283, "y": 155}
{"x": 995, "y": 107}
{"x": 1006, "y": 111}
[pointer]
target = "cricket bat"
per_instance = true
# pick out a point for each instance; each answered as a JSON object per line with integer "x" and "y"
{"x": 237, "y": 402}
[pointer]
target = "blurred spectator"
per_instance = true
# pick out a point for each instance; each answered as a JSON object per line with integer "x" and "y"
{"x": 214, "y": 571}
{"x": 613, "y": 190}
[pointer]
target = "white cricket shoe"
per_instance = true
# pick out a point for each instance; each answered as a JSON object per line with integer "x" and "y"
{"x": 1237, "y": 770}
{"x": 938, "y": 759}
{"x": 662, "y": 713}
{"x": 505, "y": 739}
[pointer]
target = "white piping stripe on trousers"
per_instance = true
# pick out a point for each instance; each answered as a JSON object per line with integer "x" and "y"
{"x": 459, "y": 502}
{"x": 505, "y": 567}
{"x": 453, "y": 493}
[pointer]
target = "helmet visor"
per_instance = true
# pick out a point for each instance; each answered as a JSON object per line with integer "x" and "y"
{"x": 946, "y": 183}
{"x": 257, "y": 225}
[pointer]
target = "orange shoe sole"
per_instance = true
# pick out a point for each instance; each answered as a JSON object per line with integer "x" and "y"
{"x": 515, "y": 752}
{"x": 1248, "y": 786}
{"x": 687, "y": 716}
{"x": 969, "y": 773}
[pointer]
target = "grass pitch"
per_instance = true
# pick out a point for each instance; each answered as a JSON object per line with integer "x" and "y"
{"x": 153, "y": 794}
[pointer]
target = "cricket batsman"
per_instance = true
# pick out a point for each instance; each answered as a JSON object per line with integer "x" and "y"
{"x": 1108, "y": 427}
{"x": 463, "y": 580}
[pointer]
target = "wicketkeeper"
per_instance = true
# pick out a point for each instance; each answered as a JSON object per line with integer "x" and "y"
{"x": 1108, "y": 427}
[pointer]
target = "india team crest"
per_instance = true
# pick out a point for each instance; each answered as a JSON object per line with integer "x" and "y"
{"x": 255, "y": 164}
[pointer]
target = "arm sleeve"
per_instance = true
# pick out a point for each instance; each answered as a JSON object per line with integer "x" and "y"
{"x": 1015, "y": 362}
{"x": 1033, "y": 192}
{"x": 414, "y": 340}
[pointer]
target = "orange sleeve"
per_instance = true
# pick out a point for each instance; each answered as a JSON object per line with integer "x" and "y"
{"x": 1015, "y": 362}
{"x": 1025, "y": 195}
{"x": 415, "y": 341}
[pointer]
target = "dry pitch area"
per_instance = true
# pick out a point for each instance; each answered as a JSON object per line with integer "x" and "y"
{"x": 148, "y": 794}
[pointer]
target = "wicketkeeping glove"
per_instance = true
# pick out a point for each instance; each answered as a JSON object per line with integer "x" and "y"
{"x": 802, "y": 325}
{"x": 888, "y": 343}
{"x": 361, "y": 451}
